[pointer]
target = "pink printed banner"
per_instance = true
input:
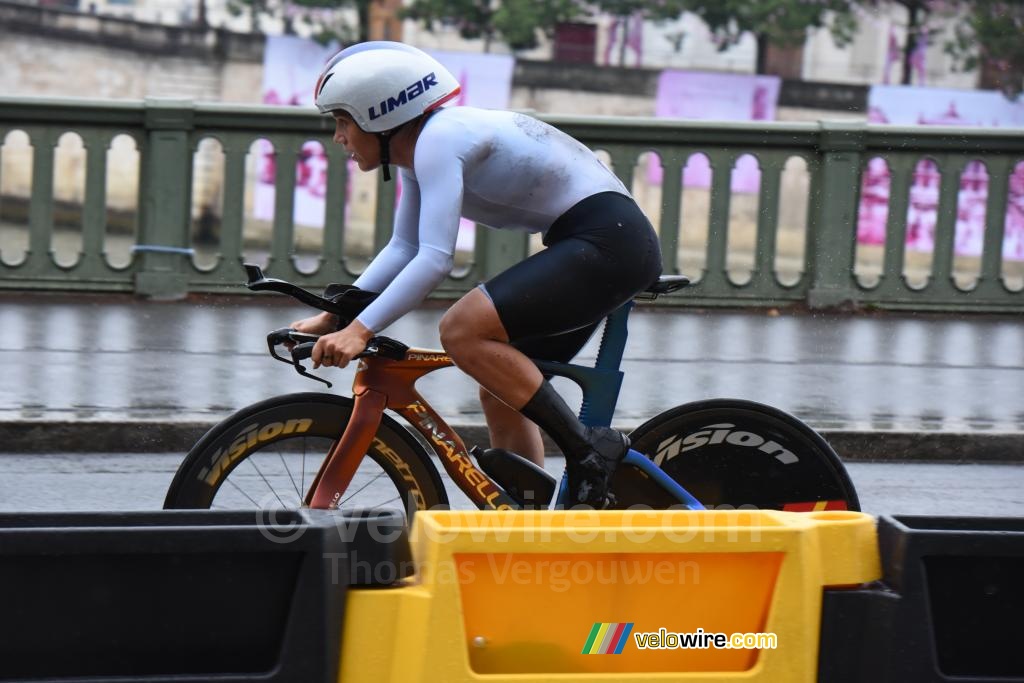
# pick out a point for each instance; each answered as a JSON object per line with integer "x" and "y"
{"x": 904, "y": 105}
{"x": 291, "y": 66}
{"x": 719, "y": 97}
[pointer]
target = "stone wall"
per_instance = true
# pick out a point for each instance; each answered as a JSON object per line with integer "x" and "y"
{"x": 53, "y": 53}
{"x": 50, "y": 52}
{"x": 588, "y": 89}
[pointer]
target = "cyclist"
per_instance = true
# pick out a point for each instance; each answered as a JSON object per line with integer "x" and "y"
{"x": 507, "y": 171}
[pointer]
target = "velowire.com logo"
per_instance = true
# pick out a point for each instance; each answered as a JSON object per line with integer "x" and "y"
{"x": 607, "y": 638}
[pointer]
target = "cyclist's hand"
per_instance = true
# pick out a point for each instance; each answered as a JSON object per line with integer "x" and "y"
{"x": 322, "y": 323}
{"x": 338, "y": 348}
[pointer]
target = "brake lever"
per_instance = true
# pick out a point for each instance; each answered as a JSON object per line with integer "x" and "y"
{"x": 301, "y": 352}
{"x": 283, "y": 335}
{"x": 304, "y": 343}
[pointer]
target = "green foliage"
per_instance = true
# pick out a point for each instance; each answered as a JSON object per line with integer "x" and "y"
{"x": 473, "y": 18}
{"x": 780, "y": 22}
{"x": 518, "y": 23}
{"x": 324, "y": 17}
{"x": 653, "y": 11}
{"x": 993, "y": 32}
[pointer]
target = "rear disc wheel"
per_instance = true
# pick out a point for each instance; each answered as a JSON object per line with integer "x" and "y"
{"x": 733, "y": 453}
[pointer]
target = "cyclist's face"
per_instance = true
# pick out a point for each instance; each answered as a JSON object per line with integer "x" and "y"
{"x": 361, "y": 146}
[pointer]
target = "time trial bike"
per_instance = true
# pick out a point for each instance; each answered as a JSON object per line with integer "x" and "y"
{"x": 320, "y": 450}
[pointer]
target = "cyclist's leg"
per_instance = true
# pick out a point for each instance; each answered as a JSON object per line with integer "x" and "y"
{"x": 473, "y": 335}
{"x": 600, "y": 254}
{"x": 509, "y": 428}
{"x": 470, "y": 332}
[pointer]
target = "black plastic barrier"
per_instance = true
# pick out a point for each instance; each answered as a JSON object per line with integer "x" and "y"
{"x": 186, "y": 595}
{"x": 950, "y": 606}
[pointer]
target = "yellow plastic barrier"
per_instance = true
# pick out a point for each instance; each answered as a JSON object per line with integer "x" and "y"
{"x": 542, "y": 596}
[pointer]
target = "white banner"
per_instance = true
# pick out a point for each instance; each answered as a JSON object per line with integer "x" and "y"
{"x": 907, "y": 105}
{"x": 486, "y": 80}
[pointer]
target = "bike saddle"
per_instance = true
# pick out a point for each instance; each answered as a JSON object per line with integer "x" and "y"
{"x": 667, "y": 284}
{"x": 528, "y": 484}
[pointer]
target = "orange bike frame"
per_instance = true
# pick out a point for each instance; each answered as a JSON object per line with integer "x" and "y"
{"x": 386, "y": 383}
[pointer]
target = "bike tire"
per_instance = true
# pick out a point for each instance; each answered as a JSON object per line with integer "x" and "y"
{"x": 278, "y": 432}
{"x": 733, "y": 453}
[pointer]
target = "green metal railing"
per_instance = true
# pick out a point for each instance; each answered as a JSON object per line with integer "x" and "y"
{"x": 167, "y": 134}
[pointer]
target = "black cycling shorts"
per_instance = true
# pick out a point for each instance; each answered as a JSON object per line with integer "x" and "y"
{"x": 600, "y": 254}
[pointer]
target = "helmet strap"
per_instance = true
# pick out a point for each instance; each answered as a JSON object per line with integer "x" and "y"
{"x": 385, "y": 153}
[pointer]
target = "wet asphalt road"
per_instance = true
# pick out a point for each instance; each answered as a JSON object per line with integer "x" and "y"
{"x": 80, "y": 358}
{"x": 126, "y": 481}
{"x": 116, "y": 357}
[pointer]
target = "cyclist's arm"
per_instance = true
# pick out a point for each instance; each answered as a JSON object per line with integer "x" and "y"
{"x": 404, "y": 243}
{"x": 439, "y": 172}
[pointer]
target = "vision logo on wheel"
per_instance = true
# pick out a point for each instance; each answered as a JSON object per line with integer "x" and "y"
{"x": 249, "y": 438}
{"x": 724, "y": 433}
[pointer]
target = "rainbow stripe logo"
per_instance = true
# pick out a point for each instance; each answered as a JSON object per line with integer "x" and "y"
{"x": 607, "y": 638}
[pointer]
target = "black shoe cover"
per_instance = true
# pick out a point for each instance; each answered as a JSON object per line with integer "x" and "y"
{"x": 589, "y": 477}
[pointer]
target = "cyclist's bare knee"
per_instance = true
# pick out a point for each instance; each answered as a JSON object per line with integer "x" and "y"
{"x": 470, "y": 320}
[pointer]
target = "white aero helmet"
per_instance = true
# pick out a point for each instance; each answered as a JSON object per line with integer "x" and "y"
{"x": 383, "y": 84}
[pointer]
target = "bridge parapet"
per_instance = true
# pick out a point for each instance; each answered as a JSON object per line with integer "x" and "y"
{"x": 782, "y": 205}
